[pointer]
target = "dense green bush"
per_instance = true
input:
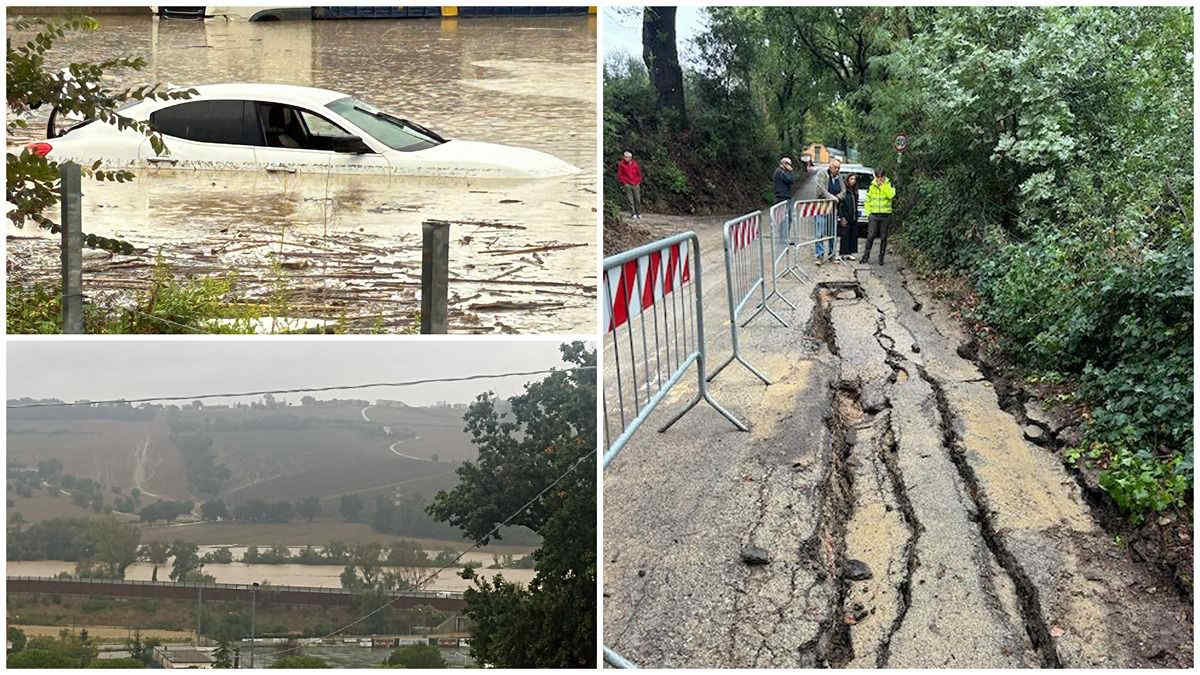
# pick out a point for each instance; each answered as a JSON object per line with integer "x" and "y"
{"x": 1050, "y": 162}
{"x": 721, "y": 162}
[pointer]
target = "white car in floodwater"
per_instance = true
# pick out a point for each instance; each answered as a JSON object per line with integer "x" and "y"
{"x": 290, "y": 128}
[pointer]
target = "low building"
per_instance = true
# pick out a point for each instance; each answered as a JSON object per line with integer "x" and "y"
{"x": 185, "y": 658}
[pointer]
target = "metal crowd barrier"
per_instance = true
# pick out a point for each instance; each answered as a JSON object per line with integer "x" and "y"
{"x": 743, "y": 278}
{"x": 646, "y": 293}
{"x": 782, "y": 248}
{"x": 649, "y": 286}
{"x": 807, "y": 215}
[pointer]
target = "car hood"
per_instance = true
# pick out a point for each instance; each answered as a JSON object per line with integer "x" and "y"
{"x": 493, "y": 160}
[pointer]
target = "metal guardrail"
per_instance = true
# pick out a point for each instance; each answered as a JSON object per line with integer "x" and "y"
{"x": 743, "y": 278}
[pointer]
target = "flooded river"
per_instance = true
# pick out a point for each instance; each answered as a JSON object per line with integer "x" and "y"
{"x": 347, "y": 247}
{"x": 280, "y": 575}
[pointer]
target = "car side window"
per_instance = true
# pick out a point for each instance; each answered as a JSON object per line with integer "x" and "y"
{"x": 319, "y": 126}
{"x": 285, "y": 126}
{"x": 230, "y": 122}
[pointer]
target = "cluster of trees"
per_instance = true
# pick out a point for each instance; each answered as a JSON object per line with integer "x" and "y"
{"x": 84, "y": 492}
{"x": 260, "y": 511}
{"x": 205, "y": 474}
{"x": 100, "y": 547}
{"x": 416, "y": 656}
{"x": 400, "y": 554}
{"x": 548, "y": 435}
{"x": 71, "y": 650}
{"x": 1049, "y": 163}
{"x": 408, "y": 515}
{"x": 166, "y": 510}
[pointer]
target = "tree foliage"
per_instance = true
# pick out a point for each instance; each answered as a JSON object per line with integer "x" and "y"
{"x": 80, "y": 89}
{"x": 1048, "y": 160}
{"x": 300, "y": 661}
{"x": 416, "y": 656}
{"x": 548, "y": 434}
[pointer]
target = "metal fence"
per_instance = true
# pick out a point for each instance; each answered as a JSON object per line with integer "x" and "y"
{"x": 261, "y": 590}
{"x": 658, "y": 287}
{"x": 653, "y": 313}
{"x": 783, "y": 258}
{"x": 813, "y": 220}
{"x": 745, "y": 274}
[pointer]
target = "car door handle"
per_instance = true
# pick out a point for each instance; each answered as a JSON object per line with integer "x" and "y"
{"x": 279, "y": 170}
{"x": 162, "y": 160}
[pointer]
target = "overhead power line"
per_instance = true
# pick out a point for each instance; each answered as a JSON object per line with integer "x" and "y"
{"x": 305, "y": 390}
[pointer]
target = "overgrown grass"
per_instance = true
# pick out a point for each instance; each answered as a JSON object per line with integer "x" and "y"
{"x": 171, "y": 304}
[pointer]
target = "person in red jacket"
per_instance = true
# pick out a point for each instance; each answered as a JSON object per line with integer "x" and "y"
{"x": 629, "y": 175}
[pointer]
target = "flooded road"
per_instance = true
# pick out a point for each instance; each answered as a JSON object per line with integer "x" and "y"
{"x": 327, "y": 576}
{"x": 347, "y": 247}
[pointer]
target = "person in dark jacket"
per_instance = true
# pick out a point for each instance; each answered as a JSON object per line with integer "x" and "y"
{"x": 848, "y": 219}
{"x": 783, "y": 180}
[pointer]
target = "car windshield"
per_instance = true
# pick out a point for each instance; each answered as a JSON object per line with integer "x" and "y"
{"x": 394, "y": 132}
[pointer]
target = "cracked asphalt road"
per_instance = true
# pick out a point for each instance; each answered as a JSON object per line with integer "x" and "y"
{"x": 875, "y": 442}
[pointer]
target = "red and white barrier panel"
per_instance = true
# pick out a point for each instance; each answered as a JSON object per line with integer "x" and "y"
{"x": 643, "y": 281}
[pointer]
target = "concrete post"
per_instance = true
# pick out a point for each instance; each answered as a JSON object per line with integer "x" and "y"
{"x": 435, "y": 275}
{"x": 71, "y": 196}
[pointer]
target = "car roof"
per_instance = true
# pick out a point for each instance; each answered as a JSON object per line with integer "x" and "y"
{"x": 857, "y": 168}
{"x": 290, "y": 94}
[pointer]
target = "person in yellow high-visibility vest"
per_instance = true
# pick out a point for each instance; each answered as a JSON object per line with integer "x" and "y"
{"x": 879, "y": 214}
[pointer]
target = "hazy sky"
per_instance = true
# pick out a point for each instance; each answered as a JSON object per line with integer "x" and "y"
{"x": 97, "y": 370}
{"x": 623, "y": 30}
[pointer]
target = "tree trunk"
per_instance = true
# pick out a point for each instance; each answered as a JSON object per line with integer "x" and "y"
{"x": 662, "y": 61}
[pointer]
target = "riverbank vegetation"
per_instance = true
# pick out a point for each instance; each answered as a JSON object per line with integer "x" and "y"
{"x": 1049, "y": 167}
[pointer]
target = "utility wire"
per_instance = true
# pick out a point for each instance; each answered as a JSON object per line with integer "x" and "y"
{"x": 302, "y": 390}
{"x": 454, "y": 562}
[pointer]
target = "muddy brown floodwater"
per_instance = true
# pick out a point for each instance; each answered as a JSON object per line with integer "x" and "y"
{"x": 344, "y": 247}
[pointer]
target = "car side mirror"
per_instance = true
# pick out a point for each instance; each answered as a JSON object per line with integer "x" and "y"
{"x": 349, "y": 144}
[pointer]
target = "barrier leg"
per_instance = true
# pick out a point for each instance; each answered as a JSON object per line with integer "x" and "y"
{"x": 616, "y": 660}
{"x": 794, "y": 267}
{"x": 734, "y": 306}
{"x": 703, "y": 395}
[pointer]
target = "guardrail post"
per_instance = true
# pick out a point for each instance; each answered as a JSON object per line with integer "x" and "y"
{"x": 435, "y": 275}
{"x": 71, "y": 197}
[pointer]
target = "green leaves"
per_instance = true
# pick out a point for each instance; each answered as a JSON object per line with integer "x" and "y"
{"x": 549, "y": 429}
{"x": 79, "y": 89}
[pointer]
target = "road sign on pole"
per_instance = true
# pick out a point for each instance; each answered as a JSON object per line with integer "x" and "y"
{"x": 901, "y": 143}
